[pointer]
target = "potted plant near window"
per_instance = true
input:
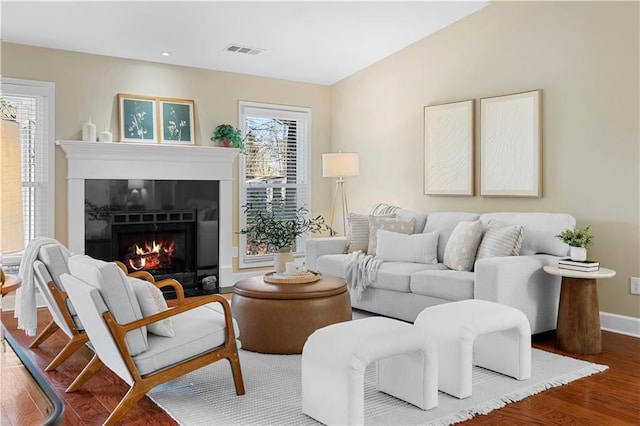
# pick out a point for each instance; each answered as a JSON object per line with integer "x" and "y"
{"x": 275, "y": 230}
{"x": 579, "y": 240}
{"x": 228, "y": 136}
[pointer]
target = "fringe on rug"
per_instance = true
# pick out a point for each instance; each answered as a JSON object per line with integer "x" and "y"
{"x": 489, "y": 406}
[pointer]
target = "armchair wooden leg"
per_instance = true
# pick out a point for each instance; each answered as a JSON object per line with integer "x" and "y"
{"x": 91, "y": 368}
{"x": 237, "y": 373}
{"x": 130, "y": 399}
{"x": 51, "y": 328}
{"x": 73, "y": 345}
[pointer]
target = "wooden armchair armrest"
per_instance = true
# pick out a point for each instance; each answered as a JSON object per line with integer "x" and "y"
{"x": 142, "y": 275}
{"x": 170, "y": 282}
{"x": 122, "y": 329}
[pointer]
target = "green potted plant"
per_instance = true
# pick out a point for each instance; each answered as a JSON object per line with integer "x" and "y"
{"x": 579, "y": 240}
{"x": 229, "y": 136}
{"x": 275, "y": 230}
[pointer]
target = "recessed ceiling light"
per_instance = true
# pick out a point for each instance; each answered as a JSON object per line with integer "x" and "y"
{"x": 166, "y": 53}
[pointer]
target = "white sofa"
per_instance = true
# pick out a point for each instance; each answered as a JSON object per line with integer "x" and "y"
{"x": 402, "y": 290}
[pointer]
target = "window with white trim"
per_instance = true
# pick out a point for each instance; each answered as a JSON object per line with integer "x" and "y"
{"x": 34, "y": 104}
{"x": 274, "y": 171}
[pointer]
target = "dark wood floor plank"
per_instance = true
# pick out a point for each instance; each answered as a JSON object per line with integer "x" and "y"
{"x": 609, "y": 398}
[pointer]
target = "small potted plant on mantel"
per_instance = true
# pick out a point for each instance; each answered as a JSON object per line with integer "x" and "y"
{"x": 276, "y": 231}
{"x": 579, "y": 240}
{"x": 228, "y": 136}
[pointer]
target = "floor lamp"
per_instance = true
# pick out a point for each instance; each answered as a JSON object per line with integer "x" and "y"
{"x": 340, "y": 165}
{"x": 11, "y": 228}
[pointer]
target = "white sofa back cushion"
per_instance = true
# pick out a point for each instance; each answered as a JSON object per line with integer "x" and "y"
{"x": 117, "y": 294}
{"x": 416, "y": 248}
{"x": 540, "y": 230}
{"x": 444, "y": 223}
{"x": 420, "y": 219}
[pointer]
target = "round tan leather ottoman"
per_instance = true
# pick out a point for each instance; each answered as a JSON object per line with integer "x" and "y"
{"x": 278, "y": 318}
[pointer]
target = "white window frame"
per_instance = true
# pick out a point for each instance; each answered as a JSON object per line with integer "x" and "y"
{"x": 46, "y": 91}
{"x": 303, "y": 172}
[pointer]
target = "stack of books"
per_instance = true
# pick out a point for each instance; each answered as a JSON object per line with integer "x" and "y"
{"x": 579, "y": 265}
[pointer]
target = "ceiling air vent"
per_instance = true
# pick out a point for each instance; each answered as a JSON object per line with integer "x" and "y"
{"x": 243, "y": 49}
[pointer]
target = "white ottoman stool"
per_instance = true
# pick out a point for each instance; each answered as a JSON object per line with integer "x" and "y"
{"x": 334, "y": 359}
{"x": 497, "y": 336}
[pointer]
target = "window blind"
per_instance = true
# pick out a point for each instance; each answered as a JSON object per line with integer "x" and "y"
{"x": 274, "y": 169}
{"x": 34, "y": 111}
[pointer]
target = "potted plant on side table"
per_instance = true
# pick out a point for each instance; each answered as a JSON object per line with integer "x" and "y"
{"x": 579, "y": 240}
{"x": 275, "y": 230}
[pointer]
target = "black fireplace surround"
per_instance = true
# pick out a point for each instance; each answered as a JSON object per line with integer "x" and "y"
{"x": 168, "y": 228}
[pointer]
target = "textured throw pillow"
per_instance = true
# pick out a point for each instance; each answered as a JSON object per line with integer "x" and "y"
{"x": 403, "y": 226}
{"x": 358, "y": 237}
{"x": 460, "y": 251}
{"x": 415, "y": 248}
{"x": 151, "y": 302}
{"x": 500, "y": 240}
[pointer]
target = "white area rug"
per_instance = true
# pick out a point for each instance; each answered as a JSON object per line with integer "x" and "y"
{"x": 273, "y": 393}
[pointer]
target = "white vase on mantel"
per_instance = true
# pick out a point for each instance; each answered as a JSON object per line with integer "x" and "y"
{"x": 578, "y": 254}
{"x": 280, "y": 259}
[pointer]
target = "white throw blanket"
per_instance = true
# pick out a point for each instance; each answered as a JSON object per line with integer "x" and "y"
{"x": 360, "y": 270}
{"x": 25, "y": 309}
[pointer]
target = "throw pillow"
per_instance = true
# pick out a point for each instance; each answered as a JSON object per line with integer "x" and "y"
{"x": 151, "y": 302}
{"x": 500, "y": 240}
{"x": 403, "y": 226}
{"x": 460, "y": 251}
{"x": 358, "y": 237}
{"x": 415, "y": 248}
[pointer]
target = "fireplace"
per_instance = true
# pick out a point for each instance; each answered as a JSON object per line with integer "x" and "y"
{"x": 161, "y": 169}
{"x": 168, "y": 228}
{"x": 161, "y": 243}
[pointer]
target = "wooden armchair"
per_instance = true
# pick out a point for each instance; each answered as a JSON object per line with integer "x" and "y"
{"x": 51, "y": 264}
{"x": 111, "y": 314}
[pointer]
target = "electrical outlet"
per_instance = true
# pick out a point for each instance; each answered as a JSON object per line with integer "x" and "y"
{"x": 635, "y": 285}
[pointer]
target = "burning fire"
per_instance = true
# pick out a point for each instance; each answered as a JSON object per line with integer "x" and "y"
{"x": 150, "y": 255}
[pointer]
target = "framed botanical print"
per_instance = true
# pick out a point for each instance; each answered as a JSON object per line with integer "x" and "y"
{"x": 176, "y": 121}
{"x": 137, "y": 118}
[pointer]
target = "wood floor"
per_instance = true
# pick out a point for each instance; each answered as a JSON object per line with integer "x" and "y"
{"x": 608, "y": 398}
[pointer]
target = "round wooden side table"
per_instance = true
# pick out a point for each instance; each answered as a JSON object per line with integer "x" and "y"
{"x": 278, "y": 318}
{"x": 578, "y": 329}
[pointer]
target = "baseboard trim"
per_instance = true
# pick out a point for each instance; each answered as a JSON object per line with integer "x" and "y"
{"x": 621, "y": 324}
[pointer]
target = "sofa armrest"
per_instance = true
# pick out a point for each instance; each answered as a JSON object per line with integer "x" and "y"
{"x": 316, "y": 247}
{"x": 520, "y": 282}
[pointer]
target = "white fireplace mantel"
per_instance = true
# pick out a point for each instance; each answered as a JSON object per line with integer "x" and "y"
{"x": 118, "y": 160}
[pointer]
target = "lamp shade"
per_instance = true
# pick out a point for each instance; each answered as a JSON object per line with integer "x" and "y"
{"x": 340, "y": 164}
{"x": 11, "y": 225}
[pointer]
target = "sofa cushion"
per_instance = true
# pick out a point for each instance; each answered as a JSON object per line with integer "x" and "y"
{"x": 500, "y": 240}
{"x": 358, "y": 236}
{"x": 416, "y": 248}
{"x": 117, "y": 294}
{"x": 444, "y": 223}
{"x": 540, "y": 230}
{"x": 396, "y": 276}
{"x": 56, "y": 260}
{"x": 404, "y": 226}
{"x": 449, "y": 285}
{"x": 151, "y": 302}
{"x": 460, "y": 252}
{"x": 331, "y": 264}
{"x": 420, "y": 219}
